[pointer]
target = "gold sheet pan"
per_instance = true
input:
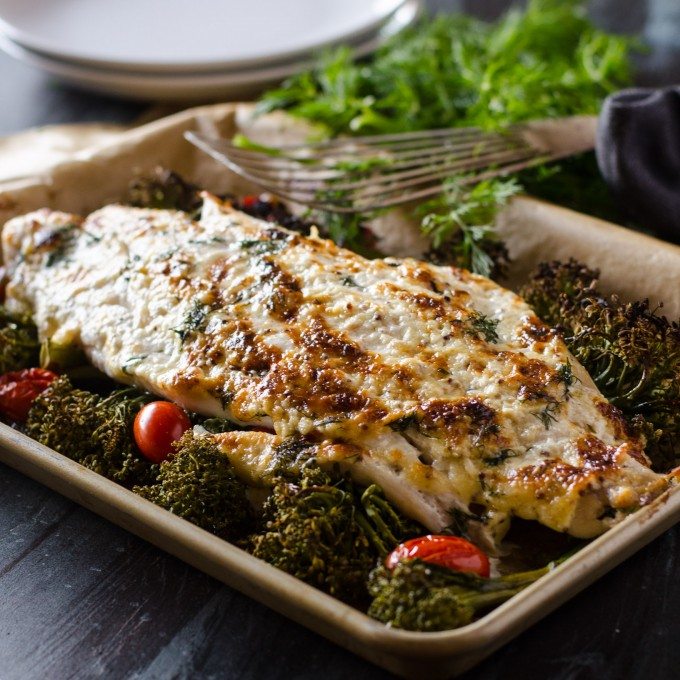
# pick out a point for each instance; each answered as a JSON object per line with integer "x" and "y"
{"x": 78, "y": 168}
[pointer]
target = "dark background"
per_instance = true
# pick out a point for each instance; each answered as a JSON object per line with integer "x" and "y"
{"x": 81, "y": 598}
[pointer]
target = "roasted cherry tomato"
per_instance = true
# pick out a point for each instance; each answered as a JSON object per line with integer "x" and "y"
{"x": 157, "y": 426}
{"x": 18, "y": 390}
{"x": 447, "y": 551}
{"x": 249, "y": 201}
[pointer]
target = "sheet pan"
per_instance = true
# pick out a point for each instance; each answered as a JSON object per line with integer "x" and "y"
{"x": 78, "y": 172}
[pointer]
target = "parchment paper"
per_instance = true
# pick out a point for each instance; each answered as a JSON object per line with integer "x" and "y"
{"x": 82, "y": 167}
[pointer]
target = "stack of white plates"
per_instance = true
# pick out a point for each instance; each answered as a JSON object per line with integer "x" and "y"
{"x": 190, "y": 49}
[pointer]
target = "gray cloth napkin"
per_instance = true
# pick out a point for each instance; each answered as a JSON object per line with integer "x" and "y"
{"x": 638, "y": 152}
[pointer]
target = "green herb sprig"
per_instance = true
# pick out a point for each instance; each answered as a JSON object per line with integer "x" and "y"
{"x": 547, "y": 60}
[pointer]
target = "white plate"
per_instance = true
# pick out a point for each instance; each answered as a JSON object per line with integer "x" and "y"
{"x": 193, "y": 86}
{"x": 188, "y": 35}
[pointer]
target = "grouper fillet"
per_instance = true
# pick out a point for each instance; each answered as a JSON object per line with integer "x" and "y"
{"x": 435, "y": 383}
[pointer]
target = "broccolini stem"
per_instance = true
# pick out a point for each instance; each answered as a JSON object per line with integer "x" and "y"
{"x": 634, "y": 391}
{"x": 376, "y": 508}
{"x": 484, "y": 600}
{"x": 371, "y": 534}
{"x": 525, "y": 578}
{"x": 123, "y": 394}
{"x": 605, "y": 374}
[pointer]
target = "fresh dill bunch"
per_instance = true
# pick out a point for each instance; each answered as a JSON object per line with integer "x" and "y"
{"x": 198, "y": 483}
{"x": 631, "y": 352}
{"x": 419, "y": 596}
{"x": 327, "y": 532}
{"x": 460, "y": 224}
{"x": 543, "y": 61}
{"x": 19, "y": 346}
{"x": 94, "y": 431}
{"x": 484, "y": 326}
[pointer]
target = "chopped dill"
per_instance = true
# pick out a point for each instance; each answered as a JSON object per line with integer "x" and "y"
{"x": 131, "y": 362}
{"x": 547, "y": 414}
{"x": 499, "y": 458}
{"x": 460, "y": 522}
{"x": 61, "y": 240}
{"x": 331, "y": 420}
{"x": 261, "y": 247}
{"x": 404, "y": 423}
{"x": 207, "y": 241}
{"x": 166, "y": 254}
{"x": 91, "y": 238}
{"x": 566, "y": 376}
{"x": 482, "y": 325}
{"x": 194, "y": 322}
{"x": 224, "y": 396}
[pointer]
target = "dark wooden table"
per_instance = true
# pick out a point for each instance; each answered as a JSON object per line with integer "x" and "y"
{"x": 81, "y": 598}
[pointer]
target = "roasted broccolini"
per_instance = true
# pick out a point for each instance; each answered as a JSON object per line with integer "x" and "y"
{"x": 325, "y": 531}
{"x": 631, "y": 352}
{"x": 92, "y": 430}
{"x": 198, "y": 483}
{"x": 19, "y": 345}
{"x": 426, "y": 597}
{"x": 163, "y": 189}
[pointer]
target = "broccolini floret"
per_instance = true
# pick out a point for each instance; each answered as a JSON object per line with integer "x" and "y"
{"x": 19, "y": 347}
{"x": 311, "y": 532}
{"x": 198, "y": 483}
{"x": 426, "y": 597}
{"x": 92, "y": 430}
{"x": 163, "y": 189}
{"x": 631, "y": 352}
{"x": 328, "y": 533}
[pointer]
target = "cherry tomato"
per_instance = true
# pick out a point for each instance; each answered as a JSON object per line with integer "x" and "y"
{"x": 157, "y": 426}
{"x": 18, "y": 390}
{"x": 447, "y": 551}
{"x": 249, "y": 201}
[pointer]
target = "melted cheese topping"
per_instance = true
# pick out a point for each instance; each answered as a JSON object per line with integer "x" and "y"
{"x": 451, "y": 393}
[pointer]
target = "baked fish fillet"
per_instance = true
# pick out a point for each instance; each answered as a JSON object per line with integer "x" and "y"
{"x": 437, "y": 384}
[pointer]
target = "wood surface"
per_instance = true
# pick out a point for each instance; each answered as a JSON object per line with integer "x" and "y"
{"x": 81, "y": 598}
